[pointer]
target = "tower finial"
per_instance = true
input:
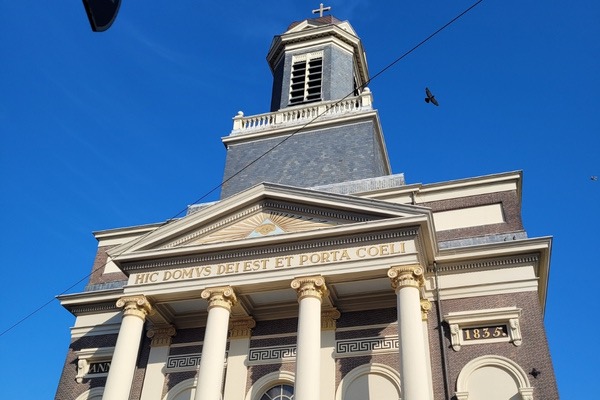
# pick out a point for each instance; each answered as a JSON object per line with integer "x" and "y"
{"x": 321, "y": 9}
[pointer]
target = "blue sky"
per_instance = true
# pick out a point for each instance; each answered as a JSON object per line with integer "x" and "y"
{"x": 104, "y": 130}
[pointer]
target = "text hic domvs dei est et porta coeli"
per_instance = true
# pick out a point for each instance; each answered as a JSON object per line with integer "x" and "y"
{"x": 272, "y": 263}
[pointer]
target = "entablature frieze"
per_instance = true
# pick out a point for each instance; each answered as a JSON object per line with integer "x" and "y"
{"x": 351, "y": 255}
{"x": 311, "y": 246}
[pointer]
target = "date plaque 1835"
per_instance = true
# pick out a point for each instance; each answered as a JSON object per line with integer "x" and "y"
{"x": 485, "y": 332}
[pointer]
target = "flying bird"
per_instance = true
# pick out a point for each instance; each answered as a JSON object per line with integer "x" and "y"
{"x": 430, "y": 97}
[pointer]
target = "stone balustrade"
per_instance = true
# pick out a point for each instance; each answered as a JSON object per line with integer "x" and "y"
{"x": 302, "y": 114}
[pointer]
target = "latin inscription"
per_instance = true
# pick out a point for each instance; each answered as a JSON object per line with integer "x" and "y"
{"x": 99, "y": 367}
{"x": 273, "y": 263}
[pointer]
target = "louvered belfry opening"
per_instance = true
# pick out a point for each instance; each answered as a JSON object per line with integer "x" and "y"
{"x": 306, "y": 79}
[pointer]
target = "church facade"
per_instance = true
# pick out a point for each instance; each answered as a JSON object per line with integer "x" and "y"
{"x": 319, "y": 274}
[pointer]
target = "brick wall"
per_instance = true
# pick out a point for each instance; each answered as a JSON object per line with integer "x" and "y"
{"x": 68, "y": 388}
{"x": 532, "y": 353}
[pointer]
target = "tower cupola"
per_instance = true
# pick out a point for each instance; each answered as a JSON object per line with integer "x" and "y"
{"x": 317, "y": 59}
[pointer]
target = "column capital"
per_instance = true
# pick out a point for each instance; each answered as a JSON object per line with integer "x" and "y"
{"x": 328, "y": 318}
{"x": 406, "y": 276}
{"x": 241, "y": 328}
{"x": 161, "y": 335}
{"x": 135, "y": 305}
{"x": 310, "y": 286}
{"x": 222, "y": 296}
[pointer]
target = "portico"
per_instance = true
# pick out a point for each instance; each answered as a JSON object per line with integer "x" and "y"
{"x": 311, "y": 293}
{"x": 306, "y": 273}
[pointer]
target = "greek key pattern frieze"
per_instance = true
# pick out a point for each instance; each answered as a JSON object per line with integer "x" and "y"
{"x": 343, "y": 348}
{"x": 185, "y": 362}
{"x": 268, "y": 355}
{"x": 366, "y": 346}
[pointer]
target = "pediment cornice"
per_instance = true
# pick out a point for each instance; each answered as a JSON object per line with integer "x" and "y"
{"x": 264, "y": 212}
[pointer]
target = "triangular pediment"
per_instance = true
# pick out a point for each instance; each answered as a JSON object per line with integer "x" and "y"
{"x": 259, "y": 220}
{"x": 265, "y": 211}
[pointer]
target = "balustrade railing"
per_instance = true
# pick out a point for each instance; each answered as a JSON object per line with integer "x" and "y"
{"x": 298, "y": 115}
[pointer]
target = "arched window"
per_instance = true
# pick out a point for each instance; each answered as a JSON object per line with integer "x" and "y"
{"x": 370, "y": 382}
{"x": 493, "y": 378}
{"x": 279, "y": 392}
{"x": 278, "y": 385}
{"x": 184, "y": 390}
{"x": 92, "y": 394}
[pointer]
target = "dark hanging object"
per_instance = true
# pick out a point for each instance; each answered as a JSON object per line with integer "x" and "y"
{"x": 534, "y": 372}
{"x": 101, "y": 13}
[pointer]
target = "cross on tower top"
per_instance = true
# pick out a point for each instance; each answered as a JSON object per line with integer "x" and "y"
{"x": 321, "y": 9}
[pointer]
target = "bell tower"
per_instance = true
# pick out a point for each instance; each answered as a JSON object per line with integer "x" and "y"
{"x": 320, "y": 108}
{"x": 319, "y": 59}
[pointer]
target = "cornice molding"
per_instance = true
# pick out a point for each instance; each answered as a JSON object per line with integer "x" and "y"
{"x": 490, "y": 263}
{"x": 310, "y": 200}
{"x": 93, "y": 308}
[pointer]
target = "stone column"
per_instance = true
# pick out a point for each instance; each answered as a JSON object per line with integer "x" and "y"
{"x": 237, "y": 371}
{"x": 122, "y": 365}
{"x": 210, "y": 376}
{"x": 407, "y": 281}
{"x": 159, "y": 352}
{"x": 328, "y": 325}
{"x": 308, "y": 347}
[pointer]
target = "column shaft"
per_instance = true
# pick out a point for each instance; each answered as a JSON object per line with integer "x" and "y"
{"x": 308, "y": 347}
{"x": 413, "y": 359}
{"x": 414, "y": 377}
{"x": 210, "y": 375}
{"x": 122, "y": 366}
